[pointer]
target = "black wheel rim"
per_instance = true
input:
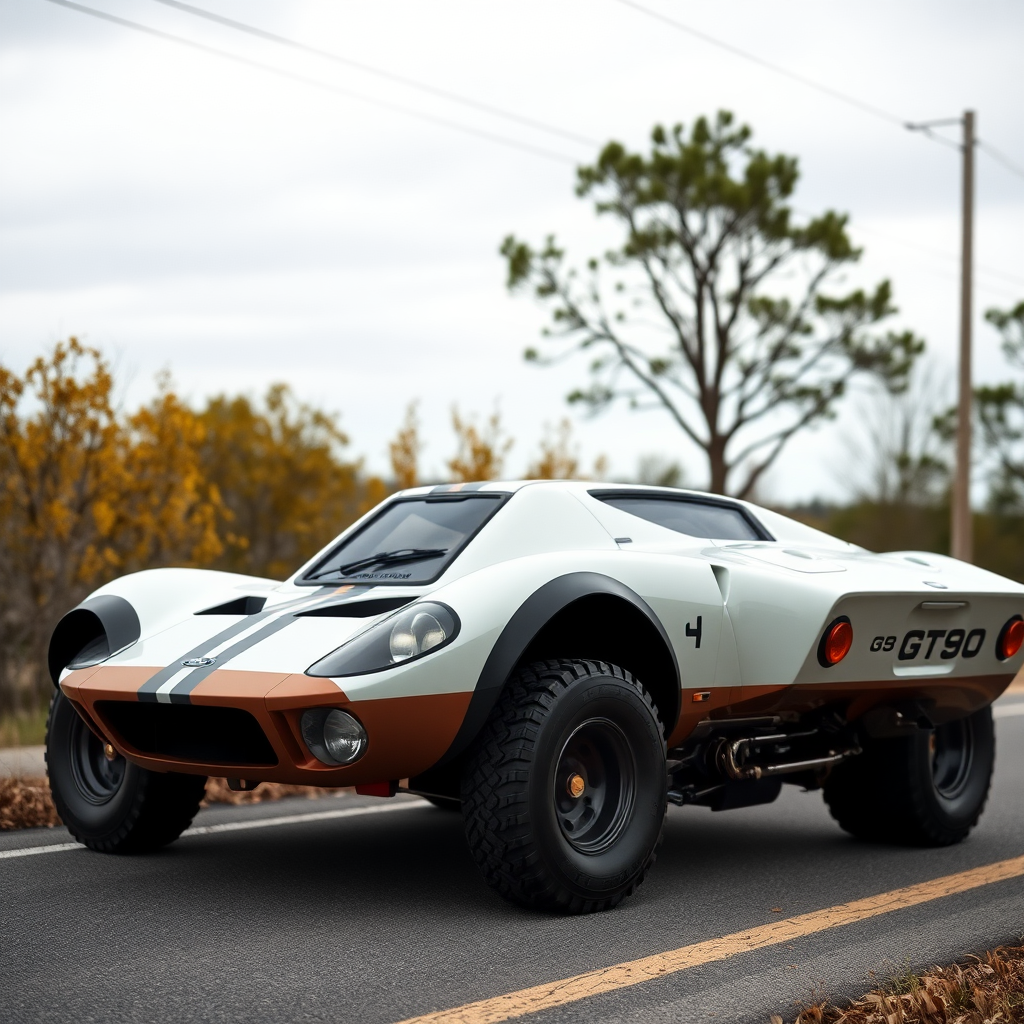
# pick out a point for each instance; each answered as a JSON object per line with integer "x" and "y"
{"x": 952, "y": 752}
{"x": 594, "y": 786}
{"x": 97, "y": 777}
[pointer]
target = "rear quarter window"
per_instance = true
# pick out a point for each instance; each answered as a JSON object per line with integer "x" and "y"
{"x": 692, "y": 517}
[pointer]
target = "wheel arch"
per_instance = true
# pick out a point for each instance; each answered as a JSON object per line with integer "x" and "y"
{"x": 582, "y": 615}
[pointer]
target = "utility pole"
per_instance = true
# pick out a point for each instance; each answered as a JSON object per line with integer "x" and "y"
{"x": 962, "y": 533}
{"x": 962, "y": 526}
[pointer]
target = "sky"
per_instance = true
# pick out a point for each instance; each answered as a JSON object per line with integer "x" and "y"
{"x": 183, "y": 210}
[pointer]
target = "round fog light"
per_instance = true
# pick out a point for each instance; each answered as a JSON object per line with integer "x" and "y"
{"x": 333, "y": 736}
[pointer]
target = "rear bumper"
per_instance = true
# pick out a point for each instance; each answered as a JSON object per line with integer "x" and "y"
{"x": 247, "y": 725}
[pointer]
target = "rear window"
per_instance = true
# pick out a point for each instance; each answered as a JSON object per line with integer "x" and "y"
{"x": 412, "y": 540}
{"x": 693, "y": 518}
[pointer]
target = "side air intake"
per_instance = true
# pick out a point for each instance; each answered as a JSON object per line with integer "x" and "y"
{"x": 91, "y": 633}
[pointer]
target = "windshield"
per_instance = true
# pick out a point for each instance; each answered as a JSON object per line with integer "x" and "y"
{"x": 412, "y": 540}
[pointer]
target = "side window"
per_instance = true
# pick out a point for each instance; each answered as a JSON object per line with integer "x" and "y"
{"x": 692, "y": 518}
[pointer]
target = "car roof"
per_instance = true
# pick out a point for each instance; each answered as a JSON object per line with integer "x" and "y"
{"x": 577, "y": 486}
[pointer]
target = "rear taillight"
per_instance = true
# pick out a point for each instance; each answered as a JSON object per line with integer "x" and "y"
{"x": 836, "y": 642}
{"x": 1010, "y": 638}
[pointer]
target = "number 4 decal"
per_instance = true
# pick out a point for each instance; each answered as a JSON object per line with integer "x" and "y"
{"x": 690, "y": 631}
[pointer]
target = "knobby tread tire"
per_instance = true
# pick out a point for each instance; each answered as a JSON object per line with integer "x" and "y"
{"x": 886, "y": 793}
{"x": 501, "y": 837}
{"x": 158, "y": 806}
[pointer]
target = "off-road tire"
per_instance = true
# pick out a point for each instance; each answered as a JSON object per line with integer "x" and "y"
{"x": 899, "y": 791}
{"x": 115, "y": 806}
{"x": 513, "y": 802}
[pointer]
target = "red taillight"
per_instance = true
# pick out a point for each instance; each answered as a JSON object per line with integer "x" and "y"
{"x": 836, "y": 643}
{"x": 1010, "y": 639}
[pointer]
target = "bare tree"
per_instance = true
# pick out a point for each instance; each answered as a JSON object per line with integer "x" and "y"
{"x": 679, "y": 317}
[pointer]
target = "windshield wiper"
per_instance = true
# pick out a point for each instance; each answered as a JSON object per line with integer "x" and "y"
{"x": 396, "y": 557}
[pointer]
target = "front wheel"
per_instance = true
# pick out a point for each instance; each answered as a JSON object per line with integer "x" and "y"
{"x": 106, "y": 802}
{"x": 925, "y": 789}
{"x": 564, "y": 795}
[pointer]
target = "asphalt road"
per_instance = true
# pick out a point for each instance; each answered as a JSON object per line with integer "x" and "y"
{"x": 377, "y": 917}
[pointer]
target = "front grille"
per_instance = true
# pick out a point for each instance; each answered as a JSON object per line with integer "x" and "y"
{"x": 189, "y": 732}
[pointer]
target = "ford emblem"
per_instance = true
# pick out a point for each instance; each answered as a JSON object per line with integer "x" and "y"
{"x": 199, "y": 662}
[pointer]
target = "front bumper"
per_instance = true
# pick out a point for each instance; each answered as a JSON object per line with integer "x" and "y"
{"x": 247, "y": 725}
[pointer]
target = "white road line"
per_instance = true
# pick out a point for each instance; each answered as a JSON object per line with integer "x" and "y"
{"x": 238, "y": 826}
{"x": 294, "y": 819}
{"x": 1008, "y": 710}
{"x": 58, "y": 848}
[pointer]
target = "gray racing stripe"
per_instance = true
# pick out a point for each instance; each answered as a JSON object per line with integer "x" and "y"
{"x": 147, "y": 693}
{"x": 180, "y": 693}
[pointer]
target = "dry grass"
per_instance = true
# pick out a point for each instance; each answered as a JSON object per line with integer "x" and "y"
{"x": 26, "y": 802}
{"x": 987, "y": 989}
{"x": 23, "y": 728}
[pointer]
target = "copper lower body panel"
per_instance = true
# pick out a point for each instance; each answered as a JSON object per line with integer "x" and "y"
{"x": 407, "y": 735}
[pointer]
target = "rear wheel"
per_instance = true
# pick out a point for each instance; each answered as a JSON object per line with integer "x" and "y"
{"x": 925, "y": 789}
{"x": 564, "y": 795}
{"x": 108, "y": 803}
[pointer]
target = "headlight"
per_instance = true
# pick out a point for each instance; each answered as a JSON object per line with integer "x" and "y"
{"x": 410, "y": 633}
{"x": 333, "y": 736}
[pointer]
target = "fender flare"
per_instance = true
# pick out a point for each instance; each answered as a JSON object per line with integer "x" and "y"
{"x": 526, "y": 623}
{"x": 104, "y": 615}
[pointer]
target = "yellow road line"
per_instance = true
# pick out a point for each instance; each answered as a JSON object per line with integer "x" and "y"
{"x": 635, "y": 972}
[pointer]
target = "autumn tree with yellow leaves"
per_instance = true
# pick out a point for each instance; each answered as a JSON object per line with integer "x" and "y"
{"x": 281, "y": 471}
{"x": 481, "y": 449}
{"x": 88, "y": 495}
{"x": 251, "y": 486}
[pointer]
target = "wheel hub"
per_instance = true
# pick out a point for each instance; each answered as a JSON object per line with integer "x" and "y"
{"x": 951, "y": 747}
{"x": 97, "y": 774}
{"x": 595, "y": 786}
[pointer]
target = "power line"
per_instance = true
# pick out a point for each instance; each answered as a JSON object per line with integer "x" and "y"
{"x": 853, "y": 101}
{"x": 317, "y": 83}
{"x": 928, "y": 250}
{"x": 445, "y": 122}
{"x": 836, "y": 94}
{"x": 1004, "y": 160}
{"x": 390, "y": 76}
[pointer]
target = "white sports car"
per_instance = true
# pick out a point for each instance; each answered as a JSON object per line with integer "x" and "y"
{"x": 557, "y": 659}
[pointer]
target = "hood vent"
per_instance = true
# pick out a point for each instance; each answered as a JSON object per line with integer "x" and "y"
{"x": 358, "y": 609}
{"x": 240, "y": 606}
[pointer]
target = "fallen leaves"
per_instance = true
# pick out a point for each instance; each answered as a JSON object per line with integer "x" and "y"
{"x": 26, "y": 802}
{"x": 984, "y": 990}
